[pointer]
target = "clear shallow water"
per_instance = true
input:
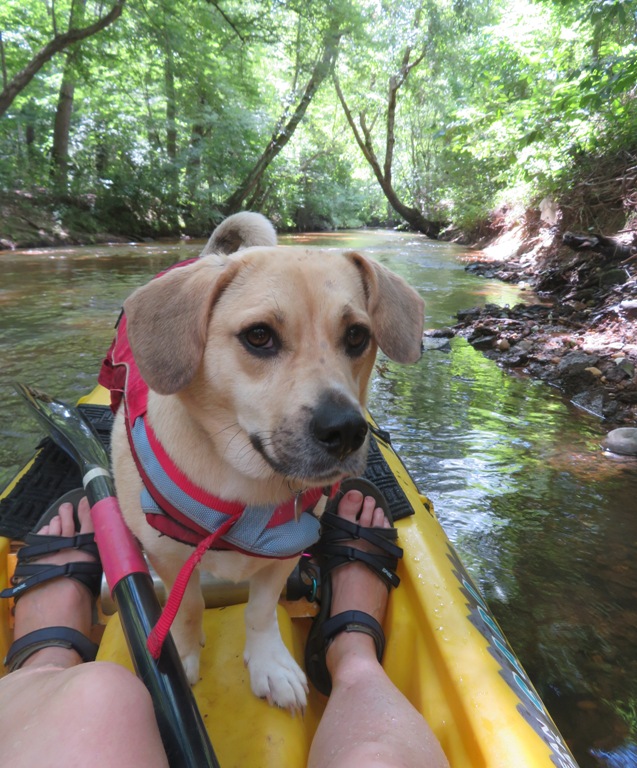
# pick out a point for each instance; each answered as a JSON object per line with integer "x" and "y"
{"x": 545, "y": 523}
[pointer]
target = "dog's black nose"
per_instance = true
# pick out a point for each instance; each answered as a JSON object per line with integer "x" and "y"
{"x": 339, "y": 427}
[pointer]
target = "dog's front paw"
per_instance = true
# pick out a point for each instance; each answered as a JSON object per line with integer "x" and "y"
{"x": 275, "y": 675}
{"x": 191, "y": 666}
{"x": 189, "y": 650}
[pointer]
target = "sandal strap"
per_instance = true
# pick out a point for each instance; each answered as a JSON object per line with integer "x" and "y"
{"x": 354, "y": 621}
{"x": 334, "y": 552}
{"x": 40, "y": 545}
{"x": 28, "y": 575}
{"x": 339, "y": 529}
{"x": 384, "y": 567}
{"x": 49, "y": 637}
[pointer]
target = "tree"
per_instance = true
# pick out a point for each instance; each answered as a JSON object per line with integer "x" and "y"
{"x": 60, "y": 42}
{"x": 362, "y": 131}
{"x": 286, "y": 127}
{"x": 62, "y": 122}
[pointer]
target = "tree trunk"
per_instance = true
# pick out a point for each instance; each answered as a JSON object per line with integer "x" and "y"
{"x": 281, "y": 136}
{"x": 62, "y": 122}
{"x": 61, "y": 132}
{"x": 363, "y": 136}
{"x": 59, "y": 43}
{"x": 171, "y": 107}
{"x": 3, "y": 64}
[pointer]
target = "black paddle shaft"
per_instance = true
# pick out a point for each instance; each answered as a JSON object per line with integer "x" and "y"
{"x": 180, "y": 724}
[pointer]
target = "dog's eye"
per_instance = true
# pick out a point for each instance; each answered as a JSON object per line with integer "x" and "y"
{"x": 356, "y": 339}
{"x": 260, "y": 338}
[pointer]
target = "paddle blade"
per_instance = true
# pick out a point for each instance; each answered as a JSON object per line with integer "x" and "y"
{"x": 67, "y": 427}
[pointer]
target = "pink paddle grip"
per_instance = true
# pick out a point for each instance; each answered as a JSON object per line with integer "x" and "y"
{"x": 119, "y": 550}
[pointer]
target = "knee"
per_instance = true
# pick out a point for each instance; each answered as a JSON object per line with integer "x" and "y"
{"x": 99, "y": 689}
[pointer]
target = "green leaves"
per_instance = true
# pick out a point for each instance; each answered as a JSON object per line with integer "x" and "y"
{"x": 177, "y": 100}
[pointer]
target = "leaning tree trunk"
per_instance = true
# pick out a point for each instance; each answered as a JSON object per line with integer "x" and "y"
{"x": 362, "y": 133}
{"x": 281, "y": 136}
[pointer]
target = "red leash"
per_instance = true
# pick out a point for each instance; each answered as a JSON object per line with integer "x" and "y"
{"x": 159, "y": 632}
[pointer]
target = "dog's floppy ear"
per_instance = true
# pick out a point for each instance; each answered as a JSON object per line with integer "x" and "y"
{"x": 167, "y": 322}
{"x": 397, "y": 311}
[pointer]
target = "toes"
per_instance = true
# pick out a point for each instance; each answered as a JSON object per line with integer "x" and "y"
{"x": 367, "y": 511}
{"x": 349, "y": 506}
{"x": 65, "y": 514}
{"x": 84, "y": 516}
{"x": 284, "y": 685}
{"x": 379, "y": 520}
{"x": 54, "y": 528}
{"x": 362, "y": 509}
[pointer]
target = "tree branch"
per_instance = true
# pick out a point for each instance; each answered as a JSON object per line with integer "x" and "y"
{"x": 45, "y": 54}
{"x": 364, "y": 142}
{"x": 227, "y": 19}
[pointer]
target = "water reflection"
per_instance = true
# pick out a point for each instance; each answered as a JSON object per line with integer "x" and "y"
{"x": 543, "y": 521}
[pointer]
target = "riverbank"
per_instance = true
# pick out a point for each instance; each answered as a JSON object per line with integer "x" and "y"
{"x": 28, "y": 220}
{"x": 578, "y": 331}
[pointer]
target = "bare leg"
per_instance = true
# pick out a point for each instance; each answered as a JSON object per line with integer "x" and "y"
{"x": 57, "y": 711}
{"x": 367, "y": 721}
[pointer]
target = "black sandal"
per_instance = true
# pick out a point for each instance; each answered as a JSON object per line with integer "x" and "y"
{"x": 29, "y": 574}
{"x": 332, "y": 552}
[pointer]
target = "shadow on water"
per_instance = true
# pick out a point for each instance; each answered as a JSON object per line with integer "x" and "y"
{"x": 544, "y": 522}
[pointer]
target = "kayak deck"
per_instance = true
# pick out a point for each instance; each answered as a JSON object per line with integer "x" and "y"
{"x": 444, "y": 651}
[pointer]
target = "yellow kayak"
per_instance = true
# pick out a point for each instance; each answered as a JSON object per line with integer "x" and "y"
{"x": 444, "y": 651}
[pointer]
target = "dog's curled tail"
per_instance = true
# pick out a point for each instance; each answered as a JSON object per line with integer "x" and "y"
{"x": 242, "y": 230}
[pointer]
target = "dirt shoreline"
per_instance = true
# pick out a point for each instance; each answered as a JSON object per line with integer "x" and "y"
{"x": 581, "y": 336}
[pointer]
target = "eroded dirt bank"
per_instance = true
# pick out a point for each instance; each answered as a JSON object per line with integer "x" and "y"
{"x": 579, "y": 329}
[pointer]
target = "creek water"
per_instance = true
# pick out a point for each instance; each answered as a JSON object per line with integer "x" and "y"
{"x": 545, "y": 523}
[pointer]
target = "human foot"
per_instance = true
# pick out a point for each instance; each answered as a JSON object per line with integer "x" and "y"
{"x": 356, "y": 587}
{"x": 358, "y": 556}
{"x": 61, "y": 602}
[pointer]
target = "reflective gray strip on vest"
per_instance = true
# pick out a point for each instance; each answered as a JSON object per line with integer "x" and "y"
{"x": 250, "y": 533}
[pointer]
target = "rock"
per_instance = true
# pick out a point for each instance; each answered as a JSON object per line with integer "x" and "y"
{"x": 467, "y": 315}
{"x": 440, "y": 333}
{"x": 576, "y": 362}
{"x": 622, "y": 441}
{"x": 440, "y": 343}
{"x": 613, "y": 277}
{"x": 615, "y": 373}
{"x": 626, "y": 365}
{"x": 503, "y": 345}
{"x": 482, "y": 342}
{"x": 629, "y": 307}
{"x": 592, "y": 402}
{"x": 549, "y": 211}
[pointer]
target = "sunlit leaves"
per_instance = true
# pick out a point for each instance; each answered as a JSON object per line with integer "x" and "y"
{"x": 176, "y": 101}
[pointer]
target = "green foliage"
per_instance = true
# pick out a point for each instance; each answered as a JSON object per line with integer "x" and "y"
{"x": 627, "y": 712}
{"x": 175, "y": 102}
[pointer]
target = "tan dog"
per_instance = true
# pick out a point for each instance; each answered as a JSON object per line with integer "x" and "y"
{"x": 258, "y": 364}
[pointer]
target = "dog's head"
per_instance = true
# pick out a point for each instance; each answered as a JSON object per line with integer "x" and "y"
{"x": 271, "y": 349}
